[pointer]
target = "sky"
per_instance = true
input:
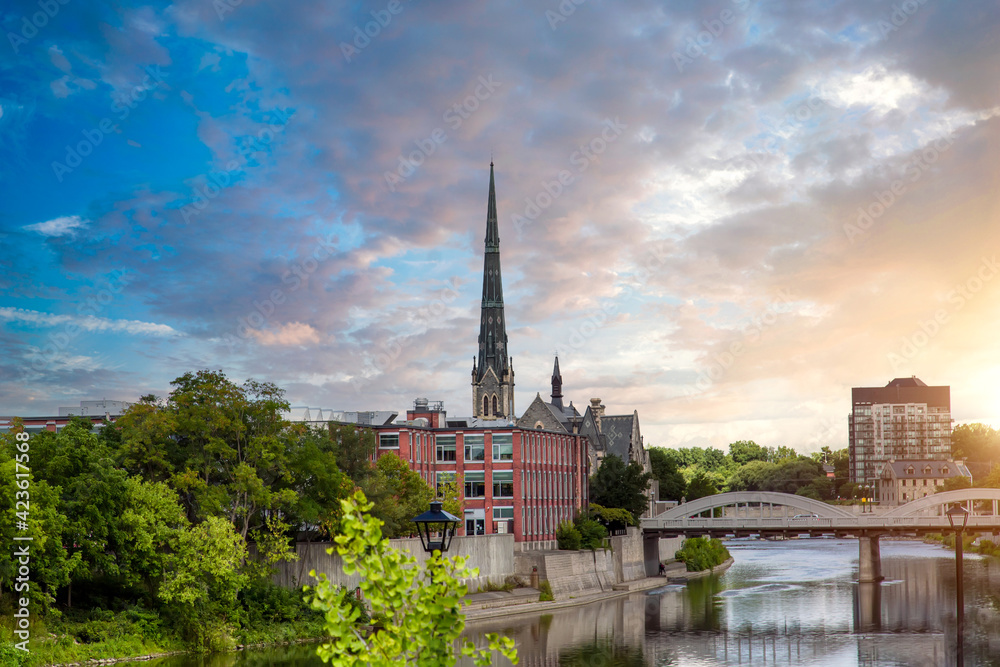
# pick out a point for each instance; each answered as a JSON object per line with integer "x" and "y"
{"x": 723, "y": 214}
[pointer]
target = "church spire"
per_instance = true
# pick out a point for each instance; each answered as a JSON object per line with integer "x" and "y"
{"x": 492, "y": 231}
{"x": 557, "y": 386}
{"x": 497, "y": 388}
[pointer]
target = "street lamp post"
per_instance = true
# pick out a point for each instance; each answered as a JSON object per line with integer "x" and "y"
{"x": 436, "y": 522}
{"x": 958, "y": 517}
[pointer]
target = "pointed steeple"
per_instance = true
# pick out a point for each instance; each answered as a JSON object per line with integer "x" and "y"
{"x": 557, "y": 386}
{"x": 492, "y": 230}
{"x": 492, "y": 353}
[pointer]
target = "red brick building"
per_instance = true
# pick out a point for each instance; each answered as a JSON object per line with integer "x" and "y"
{"x": 515, "y": 480}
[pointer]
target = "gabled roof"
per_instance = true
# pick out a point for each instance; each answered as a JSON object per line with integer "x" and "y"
{"x": 925, "y": 469}
{"x": 617, "y": 430}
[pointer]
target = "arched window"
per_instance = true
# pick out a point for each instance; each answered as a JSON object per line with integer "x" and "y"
{"x": 495, "y": 411}
{"x": 539, "y": 424}
{"x": 486, "y": 406}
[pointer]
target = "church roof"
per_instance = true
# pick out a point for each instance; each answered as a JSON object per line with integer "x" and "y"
{"x": 617, "y": 431}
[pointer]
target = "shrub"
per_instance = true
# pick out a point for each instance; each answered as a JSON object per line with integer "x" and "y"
{"x": 568, "y": 537}
{"x": 699, "y": 553}
{"x": 591, "y": 532}
{"x": 545, "y": 590}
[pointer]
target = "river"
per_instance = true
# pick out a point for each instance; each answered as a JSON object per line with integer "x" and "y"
{"x": 793, "y": 602}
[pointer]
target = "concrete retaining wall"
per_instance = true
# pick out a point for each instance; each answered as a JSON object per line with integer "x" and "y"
{"x": 492, "y": 554}
{"x": 669, "y": 546}
{"x": 572, "y": 572}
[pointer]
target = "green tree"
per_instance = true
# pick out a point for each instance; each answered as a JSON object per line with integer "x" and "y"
{"x": 91, "y": 489}
{"x": 202, "y": 580}
{"x": 745, "y": 451}
{"x": 616, "y": 484}
{"x": 316, "y": 478}
{"x": 452, "y": 496}
{"x": 145, "y": 439}
{"x": 233, "y": 444}
{"x": 148, "y": 530}
{"x": 701, "y": 485}
{"x": 957, "y": 482}
{"x": 354, "y": 450}
{"x": 401, "y": 495}
{"x": 753, "y": 476}
{"x": 976, "y": 442}
{"x": 419, "y": 608}
{"x": 51, "y": 564}
{"x": 665, "y": 471}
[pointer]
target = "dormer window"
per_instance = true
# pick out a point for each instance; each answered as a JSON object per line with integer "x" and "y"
{"x": 944, "y": 470}
{"x": 927, "y": 470}
{"x": 909, "y": 470}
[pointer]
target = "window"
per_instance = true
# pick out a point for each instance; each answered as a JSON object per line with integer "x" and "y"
{"x": 944, "y": 470}
{"x": 443, "y": 478}
{"x": 503, "y": 483}
{"x": 446, "y": 448}
{"x": 475, "y": 449}
{"x": 486, "y": 405}
{"x": 503, "y": 513}
{"x": 388, "y": 440}
{"x": 475, "y": 484}
{"x": 495, "y": 410}
{"x": 503, "y": 446}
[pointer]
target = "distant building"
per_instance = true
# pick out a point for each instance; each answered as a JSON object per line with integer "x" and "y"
{"x": 902, "y": 481}
{"x": 301, "y": 413}
{"x": 906, "y": 419}
{"x": 96, "y": 411}
{"x": 515, "y": 480}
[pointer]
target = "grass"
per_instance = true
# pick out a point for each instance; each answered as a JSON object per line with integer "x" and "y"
{"x": 545, "y": 590}
{"x": 508, "y": 585}
{"x": 267, "y": 615}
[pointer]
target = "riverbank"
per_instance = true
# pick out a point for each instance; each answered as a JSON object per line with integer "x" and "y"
{"x": 77, "y": 644}
{"x": 492, "y": 610}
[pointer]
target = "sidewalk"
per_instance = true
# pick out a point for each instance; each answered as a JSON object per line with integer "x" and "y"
{"x": 525, "y": 600}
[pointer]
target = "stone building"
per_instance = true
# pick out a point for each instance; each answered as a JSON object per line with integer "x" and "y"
{"x": 901, "y": 481}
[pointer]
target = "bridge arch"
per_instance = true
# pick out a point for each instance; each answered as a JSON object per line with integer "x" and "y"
{"x": 801, "y": 503}
{"x": 945, "y": 498}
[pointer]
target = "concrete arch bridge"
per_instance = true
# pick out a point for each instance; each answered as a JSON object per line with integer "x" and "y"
{"x": 769, "y": 514}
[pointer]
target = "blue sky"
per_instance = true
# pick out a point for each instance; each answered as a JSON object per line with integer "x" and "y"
{"x": 764, "y": 203}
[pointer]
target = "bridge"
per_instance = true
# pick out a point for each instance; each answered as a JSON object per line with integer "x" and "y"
{"x": 769, "y": 514}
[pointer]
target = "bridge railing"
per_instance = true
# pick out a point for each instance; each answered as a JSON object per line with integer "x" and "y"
{"x": 846, "y": 523}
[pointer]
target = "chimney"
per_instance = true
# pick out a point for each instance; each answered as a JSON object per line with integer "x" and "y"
{"x": 598, "y": 410}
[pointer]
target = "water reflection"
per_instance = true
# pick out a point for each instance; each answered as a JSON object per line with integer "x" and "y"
{"x": 783, "y": 603}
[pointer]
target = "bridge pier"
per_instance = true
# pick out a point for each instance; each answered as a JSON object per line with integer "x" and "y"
{"x": 869, "y": 559}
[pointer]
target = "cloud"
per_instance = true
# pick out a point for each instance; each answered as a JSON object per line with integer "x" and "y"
{"x": 87, "y": 323}
{"x": 293, "y": 333}
{"x": 62, "y": 226}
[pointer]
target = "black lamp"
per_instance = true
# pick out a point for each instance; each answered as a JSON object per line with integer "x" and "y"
{"x": 958, "y": 517}
{"x": 956, "y": 513}
{"x": 438, "y": 521}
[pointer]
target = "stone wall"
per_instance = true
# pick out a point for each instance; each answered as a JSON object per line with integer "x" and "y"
{"x": 492, "y": 554}
{"x": 572, "y": 572}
